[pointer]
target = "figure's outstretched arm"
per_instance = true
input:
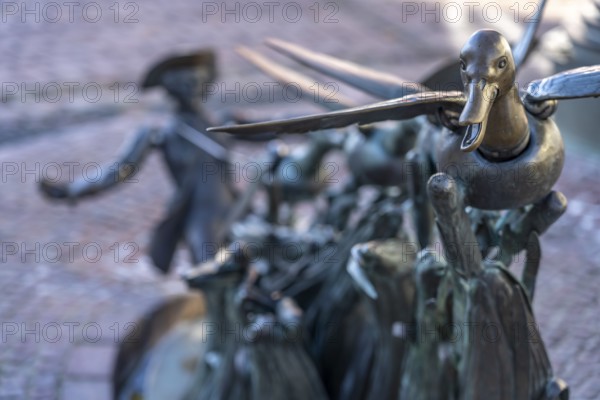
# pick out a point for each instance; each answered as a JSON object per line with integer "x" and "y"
{"x": 406, "y": 107}
{"x": 379, "y": 84}
{"x": 127, "y": 163}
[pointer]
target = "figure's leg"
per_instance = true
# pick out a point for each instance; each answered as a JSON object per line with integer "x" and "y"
{"x": 274, "y": 196}
{"x": 168, "y": 233}
{"x": 532, "y": 263}
{"x": 205, "y": 230}
{"x": 418, "y": 173}
{"x": 519, "y": 225}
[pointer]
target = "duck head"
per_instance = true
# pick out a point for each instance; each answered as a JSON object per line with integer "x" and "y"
{"x": 494, "y": 115}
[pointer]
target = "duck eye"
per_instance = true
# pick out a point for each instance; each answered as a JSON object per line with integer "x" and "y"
{"x": 463, "y": 66}
{"x": 502, "y": 63}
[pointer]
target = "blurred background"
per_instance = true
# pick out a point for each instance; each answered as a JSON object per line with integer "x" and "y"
{"x": 72, "y": 276}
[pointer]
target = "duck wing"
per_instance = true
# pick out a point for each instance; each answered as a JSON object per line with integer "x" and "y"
{"x": 324, "y": 94}
{"x": 379, "y": 84}
{"x": 446, "y": 77}
{"x": 513, "y": 358}
{"x": 486, "y": 370}
{"x": 427, "y": 103}
{"x": 571, "y": 84}
{"x": 531, "y": 365}
{"x": 522, "y": 50}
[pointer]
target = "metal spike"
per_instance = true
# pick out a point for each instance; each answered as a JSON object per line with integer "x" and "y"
{"x": 383, "y": 85}
{"x": 311, "y": 88}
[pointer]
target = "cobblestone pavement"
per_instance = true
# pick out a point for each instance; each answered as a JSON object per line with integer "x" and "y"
{"x": 60, "y": 315}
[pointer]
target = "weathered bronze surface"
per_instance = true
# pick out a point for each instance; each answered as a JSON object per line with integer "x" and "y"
{"x": 380, "y": 318}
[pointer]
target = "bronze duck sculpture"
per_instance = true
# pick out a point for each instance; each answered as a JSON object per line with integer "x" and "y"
{"x": 495, "y": 146}
{"x": 504, "y": 150}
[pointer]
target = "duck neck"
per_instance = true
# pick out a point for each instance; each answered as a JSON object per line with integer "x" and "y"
{"x": 507, "y": 129}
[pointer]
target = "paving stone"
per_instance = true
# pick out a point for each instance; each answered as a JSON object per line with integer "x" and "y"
{"x": 85, "y": 389}
{"x": 43, "y": 385}
{"x": 91, "y": 360}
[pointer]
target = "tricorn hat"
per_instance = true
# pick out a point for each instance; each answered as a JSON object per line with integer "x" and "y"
{"x": 200, "y": 59}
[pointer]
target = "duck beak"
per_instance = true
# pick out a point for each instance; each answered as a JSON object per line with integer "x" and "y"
{"x": 358, "y": 274}
{"x": 480, "y": 98}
